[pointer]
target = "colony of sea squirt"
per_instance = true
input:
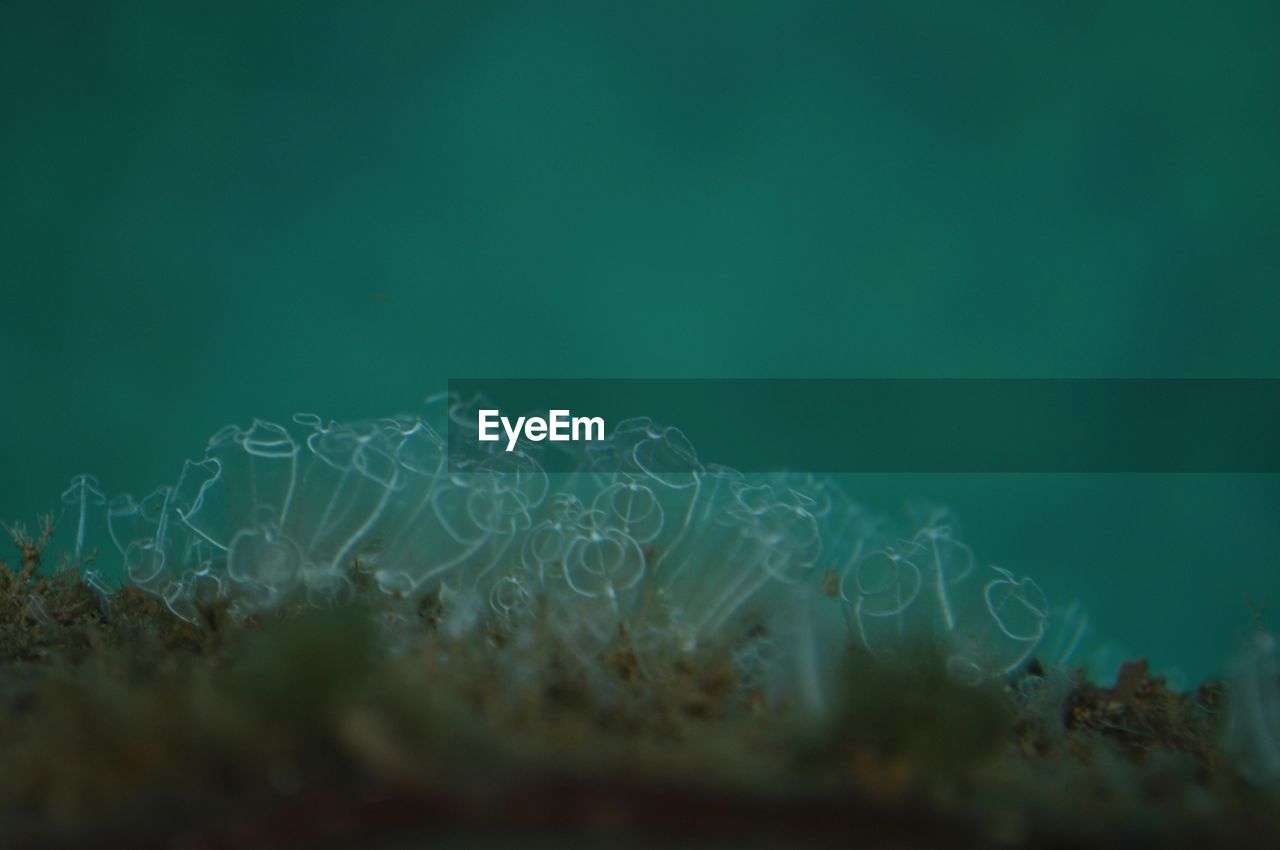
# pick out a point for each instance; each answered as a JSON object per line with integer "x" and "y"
{"x": 640, "y": 538}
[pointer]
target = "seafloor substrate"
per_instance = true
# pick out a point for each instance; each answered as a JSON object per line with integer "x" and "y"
{"x": 121, "y": 725}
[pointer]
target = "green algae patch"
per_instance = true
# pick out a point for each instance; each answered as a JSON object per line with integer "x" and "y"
{"x": 121, "y": 725}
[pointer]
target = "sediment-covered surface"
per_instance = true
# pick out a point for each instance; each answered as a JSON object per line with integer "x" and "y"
{"x": 122, "y": 726}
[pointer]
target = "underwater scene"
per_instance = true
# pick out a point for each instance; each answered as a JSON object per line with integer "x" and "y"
{"x": 966, "y": 537}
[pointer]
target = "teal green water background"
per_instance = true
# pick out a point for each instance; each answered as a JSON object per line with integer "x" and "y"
{"x": 217, "y": 211}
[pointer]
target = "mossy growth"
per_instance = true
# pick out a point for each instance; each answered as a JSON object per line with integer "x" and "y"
{"x": 121, "y": 725}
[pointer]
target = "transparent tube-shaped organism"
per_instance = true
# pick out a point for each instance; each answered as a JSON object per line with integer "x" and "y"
{"x": 926, "y": 588}
{"x": 246, "y": 478}
{"x": 880, "y": 588}
{"x": 349, "y": 476}
{"x": 748, "y": 538}
{"x": 1252, "y": 735}
{"x": 1066, "y": 634}
{"x": 1000, "y": 635}
{"x": 161, "y": 554}
{"x": 84, "y": 501}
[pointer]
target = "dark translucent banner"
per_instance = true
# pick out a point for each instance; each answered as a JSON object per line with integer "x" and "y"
{"x": 883, "y": 425}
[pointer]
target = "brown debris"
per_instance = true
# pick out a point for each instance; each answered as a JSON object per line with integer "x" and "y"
{"x": 1142, "y": 715}
{"x": 124, "y": 726}
{"x": 31, "y": 548}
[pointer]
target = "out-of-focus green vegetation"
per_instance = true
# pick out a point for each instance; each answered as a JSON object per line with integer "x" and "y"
{"x": 120, "y": 723}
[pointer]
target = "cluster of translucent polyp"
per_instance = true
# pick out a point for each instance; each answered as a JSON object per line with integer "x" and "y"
{"x": 640, "y": 538}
